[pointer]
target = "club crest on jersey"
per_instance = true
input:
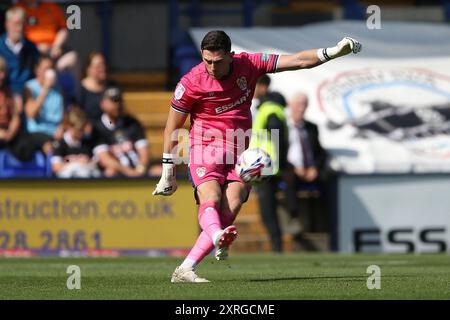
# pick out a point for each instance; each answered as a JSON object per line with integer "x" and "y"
{"x": 200, "y": 171}
{"x": 242, "y": 83}
{"x": 179, "y": 91}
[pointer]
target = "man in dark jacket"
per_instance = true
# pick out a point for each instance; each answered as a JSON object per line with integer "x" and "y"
{"x": 20, "y": 54}
{"x": 308, "y": 158}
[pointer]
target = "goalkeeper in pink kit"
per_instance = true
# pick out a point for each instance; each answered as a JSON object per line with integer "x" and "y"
{"x": 217, "y": 94}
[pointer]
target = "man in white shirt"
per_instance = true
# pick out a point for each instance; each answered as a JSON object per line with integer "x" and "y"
{"x": 303, "y": 136}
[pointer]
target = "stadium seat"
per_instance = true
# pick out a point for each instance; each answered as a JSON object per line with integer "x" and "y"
{"x": 353, "y": 10}
{"x": 186, "y": 56}
{"x": 37, "y": 167}
{"x": 138, "y": 81}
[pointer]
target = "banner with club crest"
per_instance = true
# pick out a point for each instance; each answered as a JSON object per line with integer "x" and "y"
{"x": 385, "y": 110}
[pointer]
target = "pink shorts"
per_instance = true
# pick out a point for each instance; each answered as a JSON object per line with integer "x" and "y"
{"x": 221, "y": 171}
{"x": 200, "y": 173}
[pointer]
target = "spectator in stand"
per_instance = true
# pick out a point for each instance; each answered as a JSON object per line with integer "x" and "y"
{"x": 72, "y": 155}
{"x": 20, "y": 53}
{"x": 121, "y": 147}
{"x": 44, "y": 106}
{"x": 12, "y": 137}
{"x": 9, "y": 117}
{"x": 46, "y": 27}
{"x": 306, "y": 155}
{"x": 93, "y": 85}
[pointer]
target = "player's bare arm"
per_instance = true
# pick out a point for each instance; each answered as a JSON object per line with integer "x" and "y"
{"x": 311, "y": 58}
{"x": 175, "y": 121}
{"x": 167, "y": 185}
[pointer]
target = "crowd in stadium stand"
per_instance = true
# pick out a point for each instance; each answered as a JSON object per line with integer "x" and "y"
{"x": 80, "y": 125}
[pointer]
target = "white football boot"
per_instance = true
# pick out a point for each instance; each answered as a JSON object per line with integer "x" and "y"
{"x": 223, "y": 241}
{"x": 186, "y": 275}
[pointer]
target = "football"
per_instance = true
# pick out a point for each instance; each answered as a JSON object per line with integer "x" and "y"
{"x": 253, "y": 165}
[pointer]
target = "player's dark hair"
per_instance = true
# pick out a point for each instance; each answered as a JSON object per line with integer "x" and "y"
{"x": 216, "y": 40}
{"x": 264, "y": 79}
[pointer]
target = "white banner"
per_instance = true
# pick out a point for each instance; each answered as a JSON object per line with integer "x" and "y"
{"x": 385, "y": 110}
{"x": 397, "y": 213}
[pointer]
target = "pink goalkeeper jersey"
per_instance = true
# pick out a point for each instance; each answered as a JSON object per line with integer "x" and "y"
{"x": 216, "y": 106}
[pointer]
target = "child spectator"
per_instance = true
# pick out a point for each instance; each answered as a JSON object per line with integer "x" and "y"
{"x": 72, "y": 155}
{"x": 44, "y": 106}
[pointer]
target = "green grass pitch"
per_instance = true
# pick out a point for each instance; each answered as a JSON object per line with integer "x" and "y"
{"x": 290, "y": 276}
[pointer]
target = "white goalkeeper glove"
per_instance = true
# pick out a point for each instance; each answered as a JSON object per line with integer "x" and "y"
{"x": 344, "y": 47}
{"x": 167, "y": 185}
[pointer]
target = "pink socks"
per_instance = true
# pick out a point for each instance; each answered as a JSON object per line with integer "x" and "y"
{"x": 204, "y": 243}
{"x": 209, "y": 219}
{"x": 201, "y": 248}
